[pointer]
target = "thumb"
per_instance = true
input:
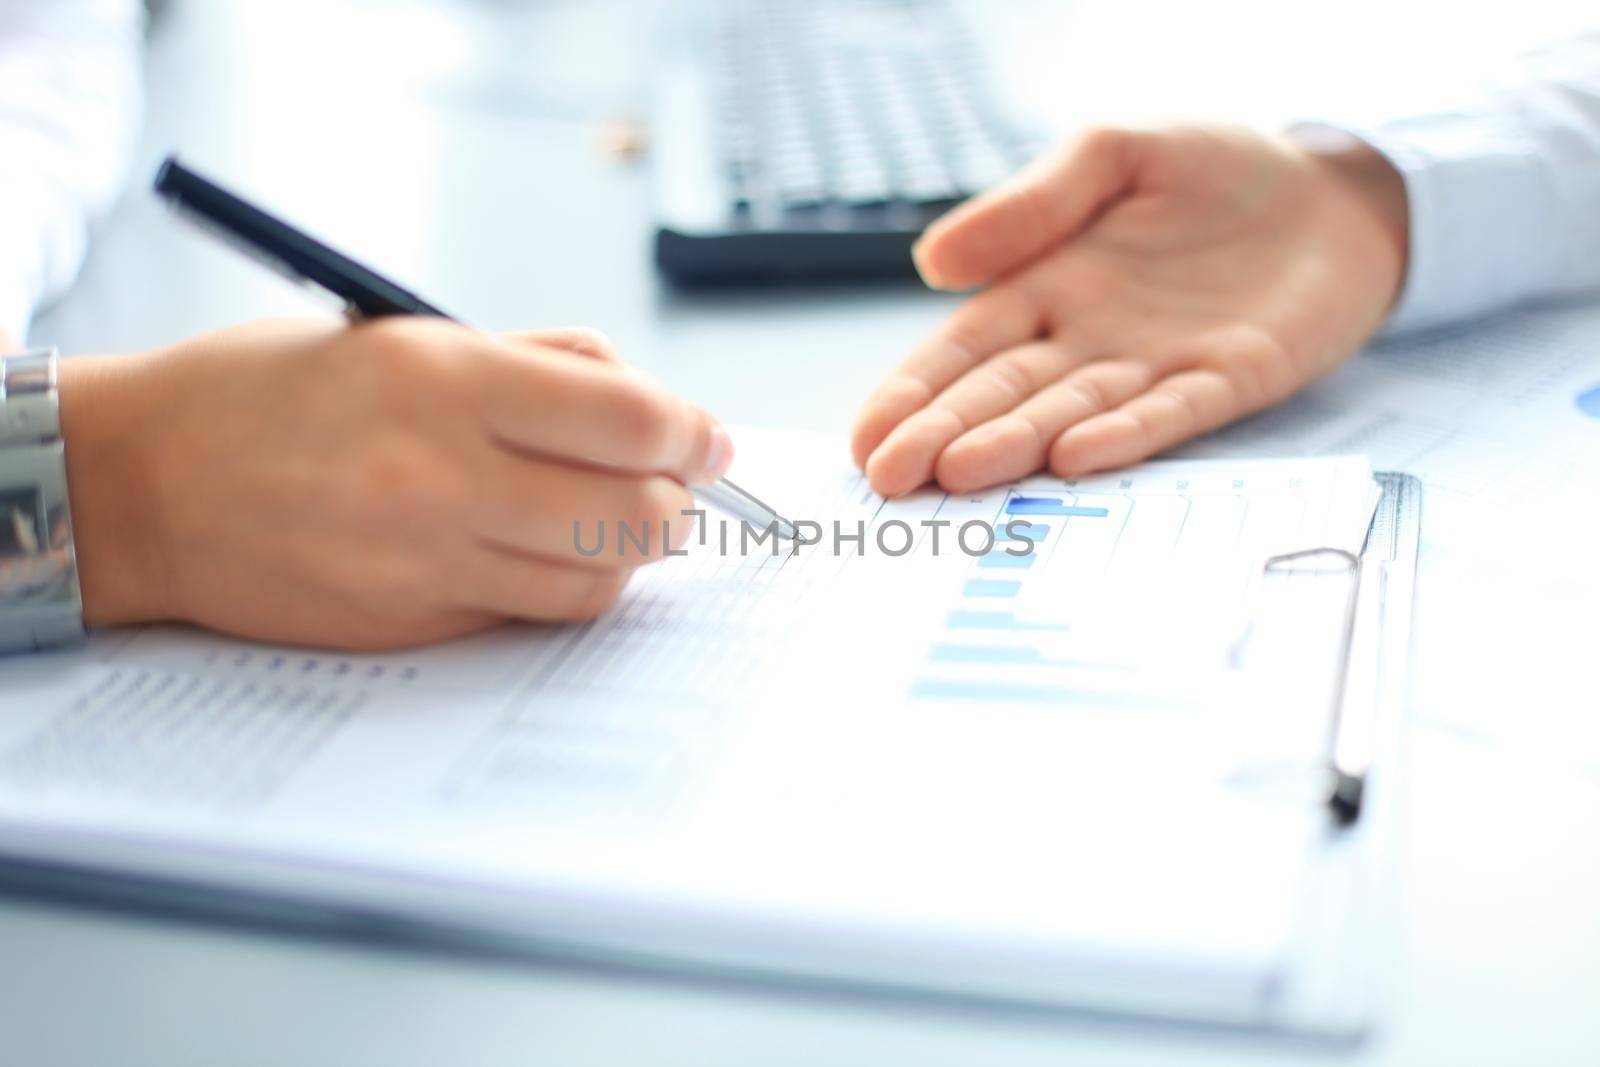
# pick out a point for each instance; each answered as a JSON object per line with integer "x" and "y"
{"x": 1046, "y": 203}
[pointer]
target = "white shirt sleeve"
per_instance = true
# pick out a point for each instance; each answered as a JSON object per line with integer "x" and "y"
{"x": 69, "y": 106}
{"x": 1504, "y": 192}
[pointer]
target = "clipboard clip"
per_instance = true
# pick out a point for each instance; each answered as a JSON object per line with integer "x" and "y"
{"x": 1347, "y": 761}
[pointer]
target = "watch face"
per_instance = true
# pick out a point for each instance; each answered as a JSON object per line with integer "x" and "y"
{"x": 22, "y": 522}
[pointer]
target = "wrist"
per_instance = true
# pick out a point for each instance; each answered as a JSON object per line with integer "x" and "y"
{"x": 1368, "y": 186}
{"x": 106, "y": 426}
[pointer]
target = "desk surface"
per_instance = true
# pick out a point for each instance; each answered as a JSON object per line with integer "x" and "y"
{"x": 512, "y": 218}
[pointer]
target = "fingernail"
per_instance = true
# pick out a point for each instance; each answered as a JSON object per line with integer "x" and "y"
{"x": 719, "y": 456}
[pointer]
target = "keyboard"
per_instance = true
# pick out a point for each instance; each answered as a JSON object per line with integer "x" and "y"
{"x": 815, "y": 139}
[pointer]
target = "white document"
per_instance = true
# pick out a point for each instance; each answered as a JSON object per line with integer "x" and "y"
{"x": 1049, "y": 775}
{"x": 1501, "y": 421}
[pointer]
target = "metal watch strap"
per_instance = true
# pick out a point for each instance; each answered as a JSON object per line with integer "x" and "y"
{"x": 40, "y": 601}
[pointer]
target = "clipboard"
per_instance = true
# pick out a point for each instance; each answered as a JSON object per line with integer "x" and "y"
{"x": 1341, "y": 962}
{"x": 1326, "y": 982}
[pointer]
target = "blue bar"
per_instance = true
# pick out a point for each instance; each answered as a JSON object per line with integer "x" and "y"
{"x": 1006, "y": 560}
{"x": 985, "y": 654}
{"x": 994, "y": 620}
{"x": 992, "y": 692}
{"x": 1589, "y": 402}
{"x": 981, "y": 620}
{"x": 945, "y": 689}
{"x": 1033, "y": 531}
{"x": 991, "y": 587}
{"x": 1050, "y": 505}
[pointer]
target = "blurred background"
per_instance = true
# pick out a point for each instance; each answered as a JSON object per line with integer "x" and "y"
{"x": 497, "y": 155}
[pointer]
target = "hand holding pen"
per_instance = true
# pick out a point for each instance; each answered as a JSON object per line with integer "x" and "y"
{"x": 391, "y": 482}
{"x": 369, "y": 295}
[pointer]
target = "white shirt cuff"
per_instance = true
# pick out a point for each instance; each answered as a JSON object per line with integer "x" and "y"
{"x": 1487, "y": 216}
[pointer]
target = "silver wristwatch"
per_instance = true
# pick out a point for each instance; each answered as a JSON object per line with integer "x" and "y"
{"x": 40, "y": 603}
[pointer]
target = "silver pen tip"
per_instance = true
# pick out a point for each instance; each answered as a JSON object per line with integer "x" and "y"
{"x": 743, "y": 505}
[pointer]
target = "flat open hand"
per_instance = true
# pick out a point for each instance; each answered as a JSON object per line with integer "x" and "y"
{"x": 1143, "y": 287}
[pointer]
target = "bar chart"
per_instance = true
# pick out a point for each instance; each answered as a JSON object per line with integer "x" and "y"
{"x": 1129, "y": 583}
{"x": 1110, "y": 592}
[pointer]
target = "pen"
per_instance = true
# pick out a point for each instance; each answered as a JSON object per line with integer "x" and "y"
{"x": 366, "y": 293}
